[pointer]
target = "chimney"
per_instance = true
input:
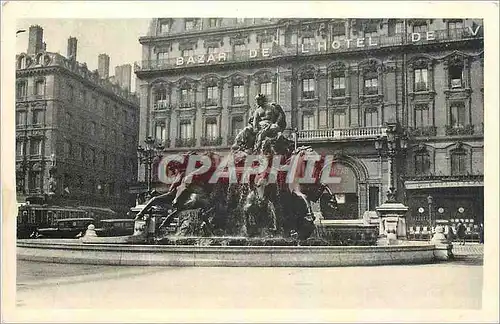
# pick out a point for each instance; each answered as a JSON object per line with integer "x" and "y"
{"x": 72, "y": 48}
{"x": 103, "y": 66}
{"x": 123, "y": 74}
{"x": 35, "y": 42}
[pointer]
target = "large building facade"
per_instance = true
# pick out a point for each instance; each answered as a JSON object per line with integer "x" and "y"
{"x": 76, "y": 133}
{"x": 398, "y": 102}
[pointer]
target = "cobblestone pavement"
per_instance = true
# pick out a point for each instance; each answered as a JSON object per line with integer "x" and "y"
{"x": 469, "y": 249}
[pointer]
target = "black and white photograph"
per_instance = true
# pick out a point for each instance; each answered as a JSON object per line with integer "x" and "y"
{"x": 281, "y": 161}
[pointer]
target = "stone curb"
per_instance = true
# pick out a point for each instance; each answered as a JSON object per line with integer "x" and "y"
{"x": 230, "y": 256}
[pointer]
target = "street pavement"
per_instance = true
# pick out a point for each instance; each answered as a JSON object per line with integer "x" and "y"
{"x": 455, "y": 284}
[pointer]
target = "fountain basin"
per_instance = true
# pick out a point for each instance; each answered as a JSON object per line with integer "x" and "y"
{"x": 74, "y": 251}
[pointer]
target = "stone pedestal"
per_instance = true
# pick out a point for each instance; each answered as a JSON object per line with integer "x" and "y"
{"x": 444, "y": 248}
{"x": 392, "y": 220}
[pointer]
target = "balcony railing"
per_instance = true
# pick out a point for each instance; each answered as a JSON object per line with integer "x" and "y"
{"x": 460, "y": 130}
{"x": 185, "y": 142}
{"x": 327, "y": 47}
{"x": 211, "y": 141}
{"x": 341, "y": 134}
{"x": 423, "y": 131}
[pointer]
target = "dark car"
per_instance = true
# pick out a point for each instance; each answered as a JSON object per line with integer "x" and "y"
{"x": 66, "y": 228}
{"x": 116, "y": 227}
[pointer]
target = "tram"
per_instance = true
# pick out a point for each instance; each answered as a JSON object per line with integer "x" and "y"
{"x": 32, "y": 216}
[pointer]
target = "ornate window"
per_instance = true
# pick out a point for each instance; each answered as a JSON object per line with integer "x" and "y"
{"x": 191, "y": 24}
{"x": 458, "y": 162}
{"x": 455, "y": 25}
{"x": 456, "y": 75}
{"x": 187, "y": 52}
{"x": 164, "y": 25}
{"x": 186, "y": 130}
{"x": 370, "y": 30}
{"x": 20, "y": 118}
{"x": 339, "y": 120}
{"x": 37, "y": 117}
{"x": 395, "y": 27}
{"x": 420, "y": 80}
{"x": 211, "y": 129}
{"x": 308, "y": 88}
{"x": 162, "y": 57}
{"x": 238, "y": 94}
{"x": 371, "y": 118}
{"x": 266, "y": 88}
{"x": 39, "y": 87}
{"x": 35, "y": 180}
{"x": 36, "y": 147}
{"x": 20, "y": 148}
{"x": 213, "y": 22}
{"x": 338, "y": 32}
{"x": 422, "y": 116}
{"x": 371, "y": 84}
{"x": 338, "y": 84}
{"x": 161, "y": 98}
{"x": 457, "y": 115}
{"x": 422, "y": 162}
{"x": 240, "y": 20}
{"x": 420, "y": 27}
{"x": 160, "y": 132}
{"x": 239, "y": 50}
{"x": 21, "y": 89}
{"x": 212, "y": 50}
{"x": 212, "y": 96}
{"x": 308, "y": 122}
{"x": 186, "y": 97}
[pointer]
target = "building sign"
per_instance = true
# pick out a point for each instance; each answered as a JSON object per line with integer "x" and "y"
{"x": 436, "y": 184}
{"x": 318, "y": 47}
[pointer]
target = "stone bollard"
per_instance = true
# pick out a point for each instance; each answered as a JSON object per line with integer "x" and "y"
{"x": 90, "y": 232}
{"x": 444, "y": 249}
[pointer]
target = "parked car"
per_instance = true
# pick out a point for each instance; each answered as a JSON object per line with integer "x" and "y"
{"x": 116, "y": 227}
{"x": 66, "y": 228}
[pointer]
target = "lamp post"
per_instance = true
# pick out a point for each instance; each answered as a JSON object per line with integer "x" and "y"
{"x": 146, "y": 155}
{"x": 429, "y": 202}
{"x": 393, "y": 145}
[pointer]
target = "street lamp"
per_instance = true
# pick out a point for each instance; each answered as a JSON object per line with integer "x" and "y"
{"x": 429, "y": 202}
{"x": 392, "y": 145}
{"x": 147, "y": 155}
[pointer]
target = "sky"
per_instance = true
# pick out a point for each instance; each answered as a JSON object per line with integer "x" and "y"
{"x": 119, "y": 38}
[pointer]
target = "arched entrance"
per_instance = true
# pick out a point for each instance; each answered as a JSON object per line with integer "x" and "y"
{"x": 346, "y": 192}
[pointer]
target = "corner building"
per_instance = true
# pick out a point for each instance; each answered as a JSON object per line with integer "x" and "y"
{"x": 76, "y": 132}
{"x": 398, "y": 102}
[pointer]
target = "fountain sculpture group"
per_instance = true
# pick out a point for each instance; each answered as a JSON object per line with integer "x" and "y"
{"x": 258, "y": 208}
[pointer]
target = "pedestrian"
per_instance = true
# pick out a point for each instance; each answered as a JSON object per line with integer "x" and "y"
{"x": 481, "y": 233}
{"x": 461, "y": 233}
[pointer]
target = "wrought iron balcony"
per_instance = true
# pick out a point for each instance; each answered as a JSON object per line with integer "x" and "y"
{"x": 185, "y": 142}
{"x": 423, "y": 131}
{"x": 460, "y": 130}
{"x": 211, "y": 141}
{"x": 328, "y": 135}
